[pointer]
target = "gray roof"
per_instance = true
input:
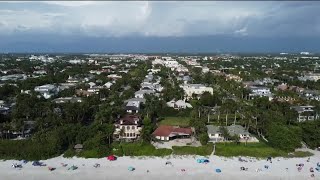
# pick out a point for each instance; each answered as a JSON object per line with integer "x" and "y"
{"x": 236, "y": 129}
{"x": 233, "y": 129}
{"x": 142, "y": 100}
{"x": 300, "y": 109}
{"x": 213, "y": 129}
{"x": 78, "y": 146}
{"x": 144, "y": 92}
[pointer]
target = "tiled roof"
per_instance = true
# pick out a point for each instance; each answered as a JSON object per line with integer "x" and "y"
{"x": 167, "y": 130}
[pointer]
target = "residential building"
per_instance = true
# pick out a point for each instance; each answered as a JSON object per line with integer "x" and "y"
{"x": 133, "y": 105}
{"x": 260, "y": 91}
{"x": 141, "y": 93}
{"x": 197, "y": 89}
{"x": 167, "y": 133}
{"x": 310, "y": 77}
{"x": 82, "y": 92}
{"x": 310, "y": 95}
{"x": 47, "y": 91}
{"x": 305, "y": 113}
{"x": 172, "y": 64}
{"x": 13, "y": 77}
{"x": 4, "y": 108}
{"x": 108, "y": 85}
{"x": 205, "y": 69}
{"x": 215, "y": 135}
{"x": 62, "y": 100}
{"x": 180, "y": 104}
{"x": 128, "y": 127}
{"x": 233, "y": 77}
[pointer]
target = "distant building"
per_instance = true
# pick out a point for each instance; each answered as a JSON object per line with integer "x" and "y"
{"x": 310, "y": 77}
{"x": 233, "y": 77}
{"x": 133, "y": 105}
{"x": 311, "y": 95}
{"x": 305, "y": 113}
{"x": 180, "y": 104}
{"x": 47, "y": 91}
{"x": 13, "y": 77}
{"x": 141, "y": 93}
{"x": 260, "y": 91}
{"x": 197, "y": 89}
{"x": 62, "y": 100}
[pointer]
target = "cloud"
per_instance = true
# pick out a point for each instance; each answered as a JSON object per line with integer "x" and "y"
{"x": 151, "y": 18}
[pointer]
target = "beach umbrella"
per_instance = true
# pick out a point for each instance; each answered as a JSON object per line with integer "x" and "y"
{"x": 218, "y": 170}
{"x": 112, "y": 158}
{"x": 130, "y": 168}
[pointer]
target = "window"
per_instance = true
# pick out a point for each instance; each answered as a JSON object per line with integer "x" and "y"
{"x": 128, "y": 127}
{"x": 132, "y": 127}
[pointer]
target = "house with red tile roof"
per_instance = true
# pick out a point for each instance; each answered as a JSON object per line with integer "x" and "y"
{"x": 166, "y": 133}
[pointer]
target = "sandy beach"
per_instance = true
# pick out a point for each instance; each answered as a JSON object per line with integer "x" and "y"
{"x": 230, "y": 168}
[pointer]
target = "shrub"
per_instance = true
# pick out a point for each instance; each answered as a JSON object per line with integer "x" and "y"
{"x": 285, "y": 138}
{"x": 69, "y": 153}
{"x": 27, "y": 149}
{"x": 204, "y": 138}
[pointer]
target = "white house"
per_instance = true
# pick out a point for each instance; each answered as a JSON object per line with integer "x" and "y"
{"x": 180, "y": 104}
{"x": 205, "y": 69}
{"x": 47, "y": 91}
{"x": 141, "y": 93}
{"x": 310, "y": 77}
{"x": 197, "y": 89}
{"x": 108, "y": 85}
{"x": 158, "y": 61}
{"x": 171, "y": 64}
{"x": 260, "y": 91}
{"x": 305, "y": 113}
{"x": 62, "y": 100}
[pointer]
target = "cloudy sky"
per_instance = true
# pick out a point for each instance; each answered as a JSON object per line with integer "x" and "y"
{"x": 42, "y": 23}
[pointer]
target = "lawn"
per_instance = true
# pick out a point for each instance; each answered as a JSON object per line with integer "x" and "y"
{"x": 189, "y": 150}
{"x": 175, "y": 121}
{"x": 259, "y": 150}
{"x": 138, "y": 149}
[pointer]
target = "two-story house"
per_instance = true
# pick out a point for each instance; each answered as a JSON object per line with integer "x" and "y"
{"x": 305, "y": 113}
{"x": 260, "y": 91}
{"x": 128, "y": 127}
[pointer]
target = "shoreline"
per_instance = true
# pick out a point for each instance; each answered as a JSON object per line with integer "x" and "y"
{"x": 230, "y": 168}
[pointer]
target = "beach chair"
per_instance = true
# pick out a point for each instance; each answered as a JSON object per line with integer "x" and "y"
{"x": 96, "y": 165}
{"x": 51, "y": 168}
{"x": 73, "y": 167}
